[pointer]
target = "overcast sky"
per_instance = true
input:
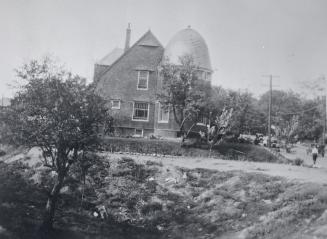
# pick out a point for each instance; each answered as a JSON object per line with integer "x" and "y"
{"x": 246, "y": 38}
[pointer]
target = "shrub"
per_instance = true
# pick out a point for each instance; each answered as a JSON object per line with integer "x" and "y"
{"x": 2, "y": 153}
{"x": 153, "y": 147}
{"x": 153, "y": 163}
{"x": 237, "y": 151}
{"x": 151, "y": 207}
{"x": 298, "y": 162}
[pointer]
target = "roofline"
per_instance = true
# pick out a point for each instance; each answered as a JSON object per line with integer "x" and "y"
{"x": 128, "y": 50}
{"x": 116, "y": 48}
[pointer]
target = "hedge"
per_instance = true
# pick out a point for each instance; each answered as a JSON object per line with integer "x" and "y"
{"x": 234, "y": 151}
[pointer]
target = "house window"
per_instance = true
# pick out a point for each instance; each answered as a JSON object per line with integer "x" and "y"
{"x": 206, "y": 75}
{"x": 139, "y": 132}
{"x": 141, "y": 111}
{"x": 142, "y": 80}
{"x": 202, "y": 120}
{"x": 115, "y": 104}
{"x": 163, "y": 114}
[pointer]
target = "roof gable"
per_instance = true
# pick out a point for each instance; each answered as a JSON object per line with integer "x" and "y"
{"x": 111, "y": 57}
{"x": 148, "y": 39}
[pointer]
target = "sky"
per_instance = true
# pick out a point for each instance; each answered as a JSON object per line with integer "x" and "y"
{"x": 246, "y": 38}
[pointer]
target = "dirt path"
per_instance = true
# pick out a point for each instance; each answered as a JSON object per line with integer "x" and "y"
{"x": 298, "y": 173}
{"x": 300, "y": 151}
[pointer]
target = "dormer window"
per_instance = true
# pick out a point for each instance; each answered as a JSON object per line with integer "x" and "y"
{"x": 142, "y": 80}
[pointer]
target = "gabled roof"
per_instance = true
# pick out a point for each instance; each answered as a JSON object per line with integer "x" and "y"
{"x": 148, "y": 39}
{"x": 111, "y": 57}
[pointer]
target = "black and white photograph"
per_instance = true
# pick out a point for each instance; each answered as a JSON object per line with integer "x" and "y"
{"x": 163, "y": 119}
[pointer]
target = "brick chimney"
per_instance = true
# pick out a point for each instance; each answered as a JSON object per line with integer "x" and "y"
{"x": 128, "y": 37}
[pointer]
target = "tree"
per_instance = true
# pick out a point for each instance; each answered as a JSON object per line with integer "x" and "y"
{"x": 183, "y": 90}
{"x": 288, "y": 129}
{"x": 311, "y": 119}
{"x": 220, "y": 126}
{"x": 287, "y": 105}
{"x": 58, "y": 113}
{"x": 247, "y": 116}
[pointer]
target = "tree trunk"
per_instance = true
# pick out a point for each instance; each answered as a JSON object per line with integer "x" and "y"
{"x": 50, "y": 208}
{"x": 178, "y": 121}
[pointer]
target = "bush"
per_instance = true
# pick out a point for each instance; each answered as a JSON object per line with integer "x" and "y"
{"x": 153, "y": 163}
{"x": 298, "y": 162}
{"x": 2, "y": 153}
{"x": 153, "y": 147}
{"x": 237, "y": 151}
{"x": 151, "y": 207}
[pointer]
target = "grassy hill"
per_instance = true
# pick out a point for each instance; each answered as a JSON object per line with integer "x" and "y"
{"x": 151, "y": 200}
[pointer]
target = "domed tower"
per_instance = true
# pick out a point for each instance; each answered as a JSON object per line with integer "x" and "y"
{"x": 190, "y": 42}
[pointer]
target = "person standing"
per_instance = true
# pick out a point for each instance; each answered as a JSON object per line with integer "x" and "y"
{"x": 314, "y": 154}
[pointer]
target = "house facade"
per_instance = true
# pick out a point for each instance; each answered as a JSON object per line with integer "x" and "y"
{"x": 129, "y": 79}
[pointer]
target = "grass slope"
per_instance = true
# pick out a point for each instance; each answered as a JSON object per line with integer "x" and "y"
{"x": 158, "y": 201}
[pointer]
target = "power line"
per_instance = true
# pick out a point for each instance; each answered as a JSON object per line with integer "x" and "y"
{"x": 299, "y": 112}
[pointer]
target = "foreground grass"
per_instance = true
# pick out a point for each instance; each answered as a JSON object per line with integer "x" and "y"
{"x": 156, "y": 201}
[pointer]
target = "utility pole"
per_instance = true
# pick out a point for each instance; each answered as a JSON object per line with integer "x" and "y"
{"x": 325, "y": 113}
{"x": 269, "y": 108}
{"x": 324, "y": 120}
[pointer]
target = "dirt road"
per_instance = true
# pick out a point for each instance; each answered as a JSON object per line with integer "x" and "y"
{"x": 298, "y": 173}
{"x": 300, "y": 151}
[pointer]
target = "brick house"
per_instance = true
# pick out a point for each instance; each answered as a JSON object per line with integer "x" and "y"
{"x": 129, "y": 80}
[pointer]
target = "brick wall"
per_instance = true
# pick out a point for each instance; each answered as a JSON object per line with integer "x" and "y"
{"x": 120, "y": 82}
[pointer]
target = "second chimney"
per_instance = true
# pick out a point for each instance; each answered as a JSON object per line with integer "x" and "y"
{"x": 128, "y": 37}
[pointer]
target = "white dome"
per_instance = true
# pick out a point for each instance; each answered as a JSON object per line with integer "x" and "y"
{"x": 188, "y": 42}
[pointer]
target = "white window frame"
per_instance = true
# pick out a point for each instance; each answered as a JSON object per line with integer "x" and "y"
{"x": 112, "y": 105}
{"x": 203, "y": 118}
{"x": 144, "y": 120}
{"x": 138, "y": 80}
{"x": 159, "y": 110}
{"x": 141, "y": 130}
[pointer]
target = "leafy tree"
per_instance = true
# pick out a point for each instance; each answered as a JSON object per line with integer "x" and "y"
{"x": 58, "y": 113}
{"x": 220, "y": 126}
{"x": 183, "y": 90}
{"x": 287, "y": 105}
{"x": 247, "y": 116}
{"x": 311, "y": 119}
{"x": 288, "y": 129}
{"x": 284, "y": 105}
